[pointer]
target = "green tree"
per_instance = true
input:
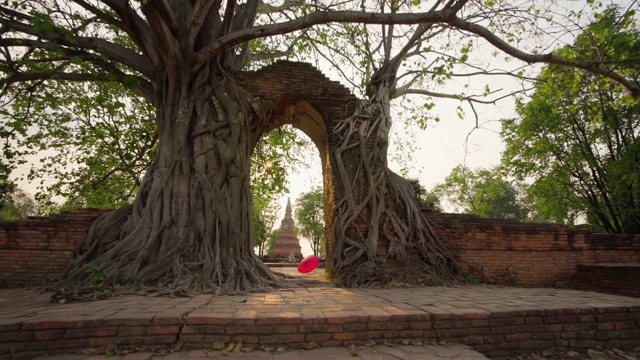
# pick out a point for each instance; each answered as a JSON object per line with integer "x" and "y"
{"x": 6, "y": 188}
{"x": 482, "y": 192}
{"x": 576, "y": 139}
{"x": 265, "y": 214}
{"x": 310, "y": 222}
{"x": 106, "y": 137}
{"x": 430, "y": 199}
{"x": 182, "y": 58}
{"x": 19, "y": 205}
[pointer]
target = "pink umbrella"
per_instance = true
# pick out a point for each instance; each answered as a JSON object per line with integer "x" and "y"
{"x": 308, "y": 264}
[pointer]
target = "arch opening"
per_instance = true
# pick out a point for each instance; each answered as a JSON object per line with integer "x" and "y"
{"x": 306, "y": 118}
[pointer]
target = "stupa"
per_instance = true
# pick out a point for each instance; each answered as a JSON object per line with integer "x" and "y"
{"x": 287, "y": 242}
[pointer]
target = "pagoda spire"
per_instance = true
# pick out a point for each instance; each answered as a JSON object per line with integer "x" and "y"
{"x": 287, "y": 213}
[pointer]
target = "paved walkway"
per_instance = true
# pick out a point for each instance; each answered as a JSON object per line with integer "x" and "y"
{"x": 399, "y": 352}
{"x": 485, "y": 317}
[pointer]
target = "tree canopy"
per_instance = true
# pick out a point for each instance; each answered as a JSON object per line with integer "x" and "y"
{"x": 482, "y": 192}
{"x": 265, "y": 217}
{"x": 19, "y": 205}
{"x": 577, "y": 140}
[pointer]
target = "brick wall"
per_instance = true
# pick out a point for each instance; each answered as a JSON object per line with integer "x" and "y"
{"x": 621, "y": 279}
{"x": 495, "y": 251}
{"x": 37, "y": 248}
{"x": 500, "y": 251}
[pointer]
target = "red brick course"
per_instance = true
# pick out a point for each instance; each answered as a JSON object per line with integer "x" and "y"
{"x": 505, "y": 252}
{"x": 622, "y": 279}
{"x": 502, "y": 333}
{"x": 35, "y": 249}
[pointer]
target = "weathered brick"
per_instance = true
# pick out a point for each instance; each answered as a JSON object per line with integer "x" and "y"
{"x": 281, "y": 339}
{"x": 420, "y": 325}
{"x": 586, "y": 335}
{"x": 517, "y": 337}
{"x": 517, "y": 329}
{"x": 209, "y": 329}
{"x": 542, "y": 336}
{"x": 456, "y": 333}
{"x": 611, "y": 317}
{"x": 208, "y": 320}
{"x": 506, "y": 321}
{"x": 92, "y": 332}
{"x": 343, "y": 336}
{"x": 578, "y": 327}
{"x": 326, "y": 328}
{"x": 415, "y": 334}
{"x": 132, "y": 340}
{"x": 234, "y": 330}
{"x": 126, "y": 322}
{"x": 346, "y": 319}
{"x": 317, "y": 337}
{"x": 130, "y": 331}
{"x": 473, "y": 340}
{"x": 160, "y": 340}
{"x": 245, "y": 339}
{"x": 285, "y": 329}
{"x": 584, "y": 344}
{"x": 566, "y": 335}
{"x": 47, "y": 325}
{"x": 451, "y": 324}
{"x": 612, "y": 309}
{"x": 9, "y": 327}
{"x": 280, "y": 319}
{"x": 388, "y": 325}
{"x": 163, "y": 330}
{"x": 479, "y": 323}
{"x": 16, "y": 336}
{"x": 380, "y": 334}
{"x": 560, "y": 319}
{"x": 533, "y": 320}
{"x": 44, "y": 335}
{"x": 353, "y": 327}
{"x": 536, "y": 344}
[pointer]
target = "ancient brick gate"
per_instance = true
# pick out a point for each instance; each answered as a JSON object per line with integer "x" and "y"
{"x": 308, "y": 100}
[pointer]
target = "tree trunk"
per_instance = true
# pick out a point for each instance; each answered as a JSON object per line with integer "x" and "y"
{"x": 381, "y": 235}
{"x": 190, "y": 226}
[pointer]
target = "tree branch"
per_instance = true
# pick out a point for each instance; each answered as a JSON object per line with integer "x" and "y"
{"x": 166, "y": 42}
{"x": 200, "y": 12}
{"x": 137, "y": 28}
{"x": 470, "y": 98}
{"x": 632, "y": 85}
{"x": 144, "y": 89}
{"x": 316, "y": 18}
{"x": 113, "y": 51}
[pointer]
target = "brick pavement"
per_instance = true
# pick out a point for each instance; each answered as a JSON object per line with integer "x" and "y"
{"x": 494, "y": 320}
{"x": 376, "y": 352}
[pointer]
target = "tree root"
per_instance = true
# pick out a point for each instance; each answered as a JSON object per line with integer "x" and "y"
{"x": 380, "y": 234}
{"x": 189, "y": 230}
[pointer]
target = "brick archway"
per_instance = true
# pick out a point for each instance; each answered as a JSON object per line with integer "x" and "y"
{"x": 311, "y": 102}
